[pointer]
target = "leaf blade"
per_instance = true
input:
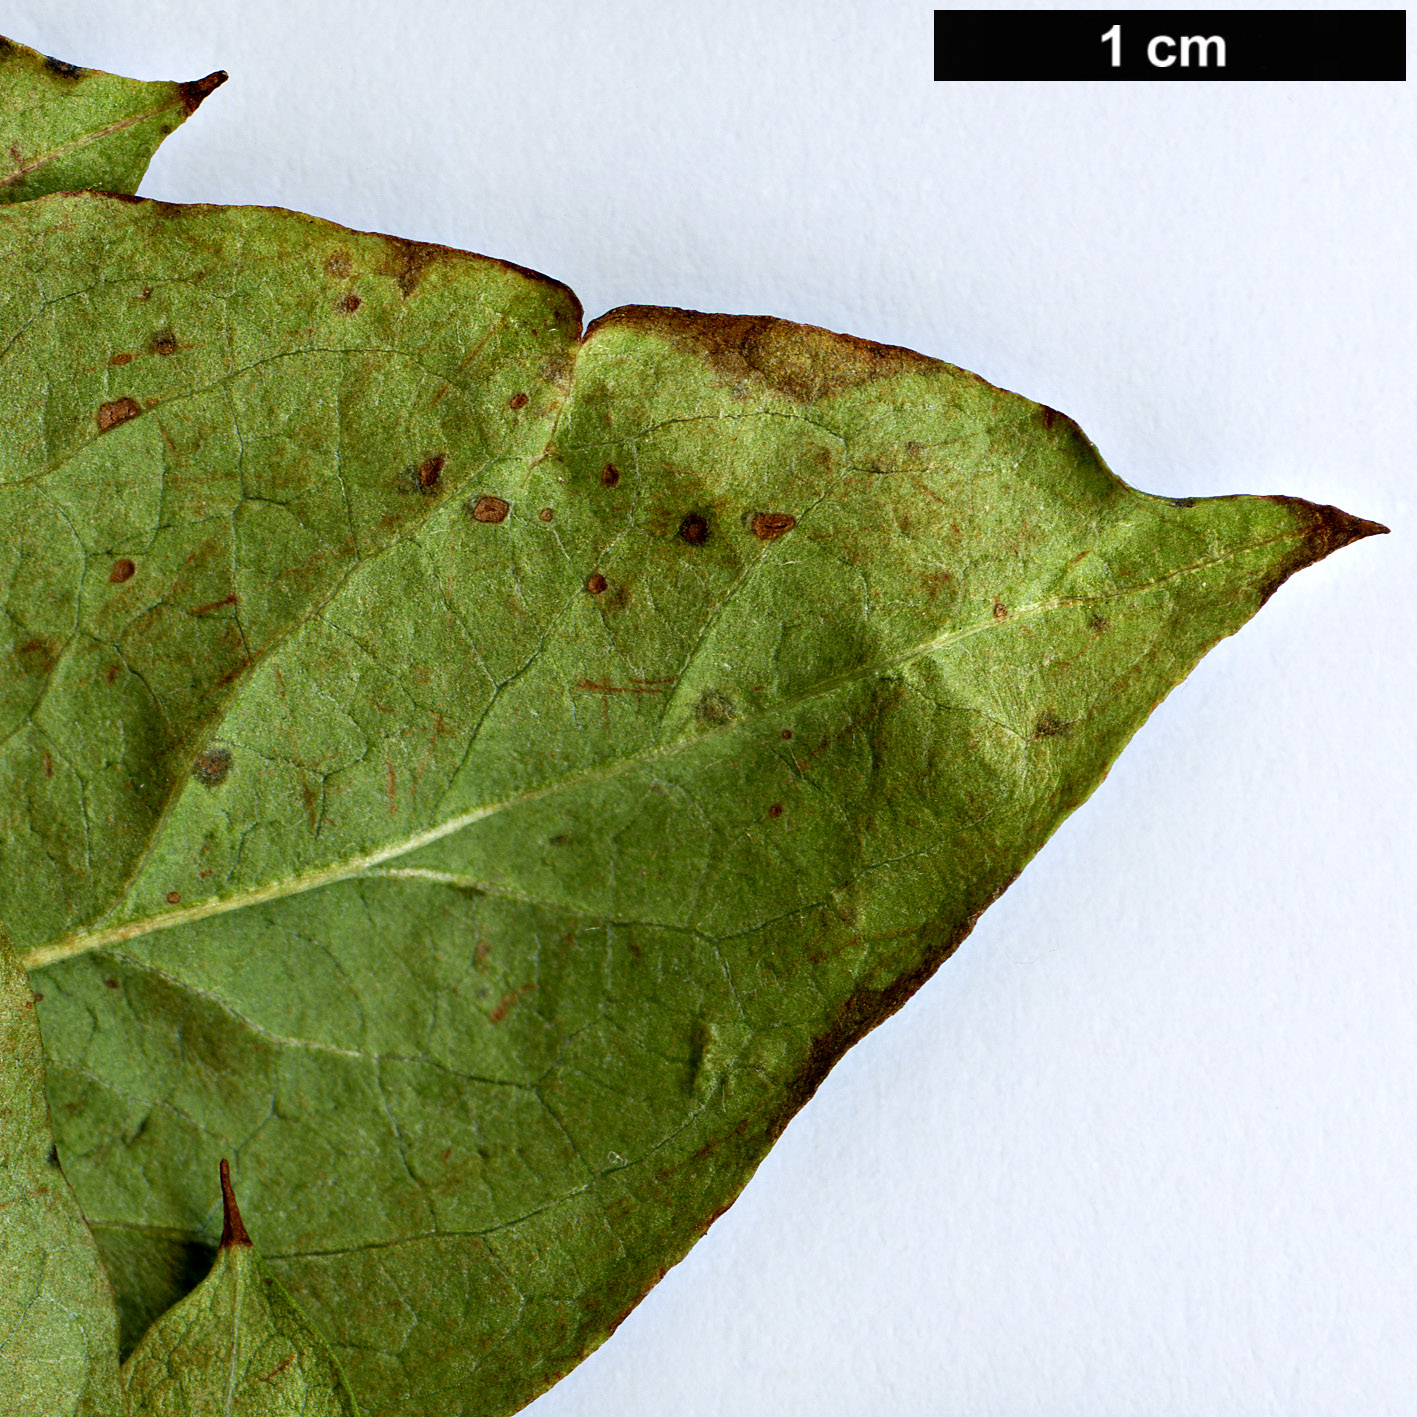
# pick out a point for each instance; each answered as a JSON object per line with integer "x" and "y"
{"x": 651, "y": 806}
{"x": 58, "y": 1328}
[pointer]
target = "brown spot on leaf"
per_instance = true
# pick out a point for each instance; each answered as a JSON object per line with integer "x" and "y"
{"x": 211, "y": 767}
{"x": 430, "y": 471}
{"x": 407, "y": 260}
{"x": 48, "y": 764}
{"x": 62, "y": 68}
{"x": 110, "y": 983}
{"x": 504, "y": 1006}
{"x": 479, "y": 955}
{"x": 110, "y": 415}
{"x": 338, "y": 264}
{"x": 123, "y": 570}
{"x": 635, "y": 686}
{"x": 36, "y": 656}
{"x": 610, "y": 474}
{"x": 195, "y": 90}
{"x": 233, "y": 1232}
{"x": 596, "y": 583}
{"x": 775, "y": 810}
{"x": 1001, "y": 611}
{"x": 768, "y": 526}
{"x": 1049, "y": 725}
{"x": 518, "y": 401}
{"x": 174, "y": 897}
{"x": 348, "y": 304}
{"x": 694, "y": 529}
{"x": 715, "y": 707}
{"x": 145, "y": 293}
{"x": 546, "y": 514}
{"x": 164, "y": 343}
{"x": 119, "y": 360}
{"x": 278, "y": 1369}
{"x": 216, "y": 604}
{"x": 800, "y": 362}
{"x": 786, "y": 735}
{"x": 490, "y": 509}
{"x": 1098, "y": 624}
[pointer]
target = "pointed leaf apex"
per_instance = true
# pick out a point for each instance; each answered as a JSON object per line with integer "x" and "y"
{"x": 1331, "y": 528}
{"x": 1324, "y": 530}
{"x": 196, "y": 90}
{"x": 233, "y": 1232}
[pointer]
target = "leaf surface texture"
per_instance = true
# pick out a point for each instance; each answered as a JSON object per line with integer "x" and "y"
{"x": 58, "y": 1325}
{"x": 481, "y": 774}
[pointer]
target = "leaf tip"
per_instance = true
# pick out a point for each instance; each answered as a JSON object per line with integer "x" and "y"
{"x": 195, "y": 90}
{"x": 1324, "y": 530}
{"x": 233, "y": 1231}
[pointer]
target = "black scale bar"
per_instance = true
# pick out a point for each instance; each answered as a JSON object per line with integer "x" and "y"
{"x": 1171, "y": 46}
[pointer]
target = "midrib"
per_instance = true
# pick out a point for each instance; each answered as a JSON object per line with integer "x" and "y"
{"x": 85, "y": 139}
{"x": 83, "y": 942}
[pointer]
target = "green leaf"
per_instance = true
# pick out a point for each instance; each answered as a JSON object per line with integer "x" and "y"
{"x": 66, "y": 128}
{"x": 237, "y": 1346}
{"x": 58, "y": 1326}
{"x": 482, "y": 777}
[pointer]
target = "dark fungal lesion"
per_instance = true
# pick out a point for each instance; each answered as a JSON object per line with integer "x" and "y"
{"x": 117, "y": 411}
{"x": 1049, "y": 725}
{"x": 429, "y": 473}
{"x": 768, "y": 526}
{"x": 212, "y": 767}
{"x": 715, "y": 707}
{"x": 694, "y": 529}
{"x": 489, "y": 509}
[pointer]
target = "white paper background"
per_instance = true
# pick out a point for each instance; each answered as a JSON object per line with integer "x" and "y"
{"x": 1146, "y": 1145}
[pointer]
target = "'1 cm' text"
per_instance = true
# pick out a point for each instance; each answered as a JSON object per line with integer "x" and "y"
{"x": 1162, "y": 49}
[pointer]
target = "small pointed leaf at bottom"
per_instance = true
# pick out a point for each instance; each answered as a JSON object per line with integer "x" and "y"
{"x": 237, "y": 1346}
